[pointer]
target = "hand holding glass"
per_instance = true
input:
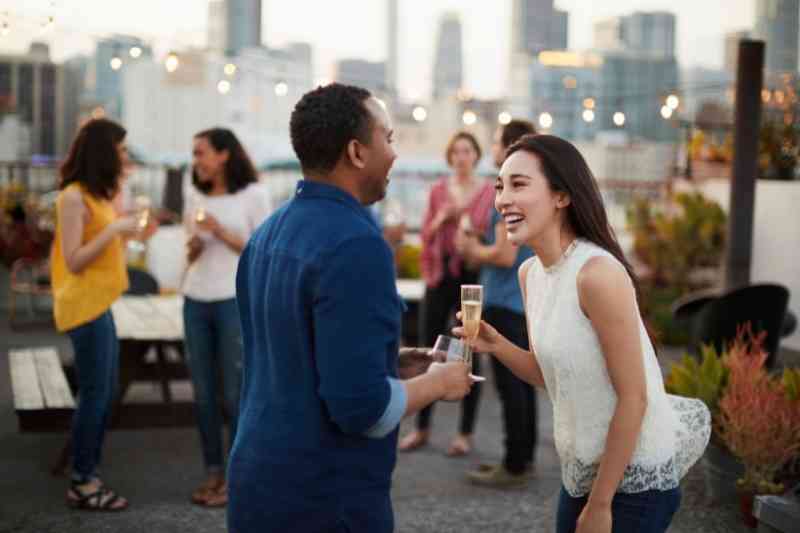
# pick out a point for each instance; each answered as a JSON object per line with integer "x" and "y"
{"x": 471, "y": 305}
{"x": 451, "y": 349}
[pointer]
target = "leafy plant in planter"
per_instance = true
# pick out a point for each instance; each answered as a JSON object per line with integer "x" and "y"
{"x": 705, "y": 379}
{"x": 674, "y": 243}
{"x": 778, "y": 150}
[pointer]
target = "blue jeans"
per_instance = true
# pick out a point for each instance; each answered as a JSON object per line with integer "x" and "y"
{"x": 642, "y": 512}
{"x": 214, "y": 340}
{"x": 97, "y": 367}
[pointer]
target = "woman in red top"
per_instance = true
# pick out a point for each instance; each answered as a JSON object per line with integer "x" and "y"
{"x": 466, "y": 199}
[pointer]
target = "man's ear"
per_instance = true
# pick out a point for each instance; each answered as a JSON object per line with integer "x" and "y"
{"x": 355, "y": 153}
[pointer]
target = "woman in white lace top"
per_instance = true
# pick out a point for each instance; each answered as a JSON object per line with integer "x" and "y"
{"x": 624, "y": 444}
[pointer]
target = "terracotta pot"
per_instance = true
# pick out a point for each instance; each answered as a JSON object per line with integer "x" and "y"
{"x": 746, "y": 507}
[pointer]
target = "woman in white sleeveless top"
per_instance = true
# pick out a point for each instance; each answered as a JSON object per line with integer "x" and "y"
{"x": 624, "y": 444}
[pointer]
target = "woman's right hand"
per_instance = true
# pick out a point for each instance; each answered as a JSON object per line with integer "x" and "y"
{"x": 487, "y": 340}
{"x": 194, "y": 247}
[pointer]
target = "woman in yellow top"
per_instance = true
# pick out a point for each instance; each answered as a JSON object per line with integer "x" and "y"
{"x": 88, "y": 274}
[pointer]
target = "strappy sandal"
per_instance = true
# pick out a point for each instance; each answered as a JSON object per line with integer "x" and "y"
{"x": 101, "y": 499}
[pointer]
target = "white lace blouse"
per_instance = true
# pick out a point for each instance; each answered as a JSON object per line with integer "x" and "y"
{"x": 675, "y": 430}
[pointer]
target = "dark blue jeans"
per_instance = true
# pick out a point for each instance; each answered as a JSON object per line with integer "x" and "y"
{"x": 214, "y": 342}
{"x": 97, "y": 367}
{"x": 642, "y": 512}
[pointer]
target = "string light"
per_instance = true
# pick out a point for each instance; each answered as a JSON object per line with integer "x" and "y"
{"x": 588, "y": 103}
{"x": 504, "y": 118}
{"x": 224, "y": 86}
{"x": 229, "y": 69}
{"x": 588, "y": 115}
{"x": 469, "y": 117}
{"x": 135, "y": 52}
{"x": 281, "y": 88}
{"x": 619, "y": 118}
{"x": 673, "y": 102}
{"x": 116, "y": 63}
{"x": 419, "y": 114}
{"x": 546, "y": 120}
{"x": 666, "y": 111}
{"x": 171, "y": 63}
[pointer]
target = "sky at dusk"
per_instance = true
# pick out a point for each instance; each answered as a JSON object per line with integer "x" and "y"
{"x": 357, "y": 28}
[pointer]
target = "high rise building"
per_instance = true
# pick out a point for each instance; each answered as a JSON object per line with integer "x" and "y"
{"x": 368, "y": 74}
{"x": 107, "y": 80}
{"x": 32, "y": 90}
{"x": 537, "y": 26}
{"x": 652, "y": 32}
{"x": 608, "y": 34}
{"x": 243, "y": 25}
{"x": 448, "y": 68}
{"x": 217, "y": 22}
{"x": 559, "y": 30}
{"x": 777, "y": 24}
{"x": 731, "y": 58}
{"x": 392, "y": 63}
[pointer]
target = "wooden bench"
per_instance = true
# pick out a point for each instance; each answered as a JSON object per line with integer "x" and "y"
{"x": 42, "y": 398}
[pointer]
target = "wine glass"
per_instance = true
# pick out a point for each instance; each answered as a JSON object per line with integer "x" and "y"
{"x": 452, "y": 349}
{"x": 471, "y": 305}
{"x": 142, "y": 204}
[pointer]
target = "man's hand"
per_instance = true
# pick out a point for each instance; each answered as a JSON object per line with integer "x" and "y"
{"x": 194, "y": 247}
{"x": 412, "y": 362}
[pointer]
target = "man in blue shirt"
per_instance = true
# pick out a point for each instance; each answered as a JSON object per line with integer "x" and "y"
{"x": 321, "y": 399}
{"x": 503, "y": 309}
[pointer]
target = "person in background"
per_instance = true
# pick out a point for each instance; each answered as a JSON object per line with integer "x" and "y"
{"x": 500, "y": 260}
{"x": 222, "y": 210}
{"x": 88, "y": 274}
{"x": 460, "y": 199}
{"x": 324, "y": 389}
{"x": 624, "y": 444}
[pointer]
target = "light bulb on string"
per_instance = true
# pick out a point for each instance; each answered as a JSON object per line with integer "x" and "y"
{"x": 115, "y": 63}
{"x": 504, "y": 118}
{"x": 419, "y": 114}
{"x": 229, "y": 69}
{"x": 281, "y": 88}
{"x": 666, "y": 111}
{"x": 546, "y": 120}
{"x": 224, "y": 87}
{"x": 673, "y": 102}
{"x": 171, "y": 63}
{"x": 619, "y": 118}
{"x": 469, "y": 117}
{"x": 135, "y": 52}
{"x": 588, "y": 115}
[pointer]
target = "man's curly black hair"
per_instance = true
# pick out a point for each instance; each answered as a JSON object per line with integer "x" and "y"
{"x": 324, "y": 121}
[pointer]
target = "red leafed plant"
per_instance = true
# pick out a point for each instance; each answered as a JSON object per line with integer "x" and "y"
{"x": 759, "y": 421}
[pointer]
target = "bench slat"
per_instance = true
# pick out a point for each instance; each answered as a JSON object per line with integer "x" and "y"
{"x": 24, "y": 383}
{"x": 52, "y": 380}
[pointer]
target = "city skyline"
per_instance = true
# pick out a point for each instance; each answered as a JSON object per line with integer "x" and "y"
{"x": 486, "y": 30}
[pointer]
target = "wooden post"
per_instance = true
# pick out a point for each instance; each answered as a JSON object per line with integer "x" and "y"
{"x": 747, "y": 121}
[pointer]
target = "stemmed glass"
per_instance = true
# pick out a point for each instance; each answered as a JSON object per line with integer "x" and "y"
{"x": 452, "y": 349}
{"x": 471, "y": 305}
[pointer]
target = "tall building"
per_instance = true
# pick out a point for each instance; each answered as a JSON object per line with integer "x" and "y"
{"x": 777, "y": 24}
{"x": 217, "y": 22}
{"x": 76, "y": 74}
{"x": 731, "y": 58}
{"x": 448, "y": 68}
{"x": 608, "y": 34}
{"x": 106, "y": 89}
{"x": 32, "y": 90}
{"x": 537, "y": 26}
{"x": 243, "y": 25}
{"x": 368, "y": 74}
{"x": 652, "y": 32}
{"x": 392, "y": 60}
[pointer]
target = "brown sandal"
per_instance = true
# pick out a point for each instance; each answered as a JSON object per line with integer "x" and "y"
{"x": 207, "y": 490}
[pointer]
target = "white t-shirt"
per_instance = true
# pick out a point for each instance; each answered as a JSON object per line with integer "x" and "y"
{"x": 212, "y": 276}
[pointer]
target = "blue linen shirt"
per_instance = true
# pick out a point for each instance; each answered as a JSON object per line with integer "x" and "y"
{"x": 501, "y": 285}
{"x": 317, "y": 435}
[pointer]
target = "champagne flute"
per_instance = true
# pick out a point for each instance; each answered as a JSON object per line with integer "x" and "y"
{"x": 142, "y": 204}
{"x": 471, "y": 305}
{"x": 452, "y": 349}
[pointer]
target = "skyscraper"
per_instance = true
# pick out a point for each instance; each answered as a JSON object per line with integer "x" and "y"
{"x": 777, "y": 24}
{"x": 391, "y": 56}
{"x": 243, "y": 25}
{"x": 368, "y": 74}
{"x": 447, "y": 68}
{"x": 217, "y": 21}
{"x": 536, "y": 26}
{"x": 652, "y": 32}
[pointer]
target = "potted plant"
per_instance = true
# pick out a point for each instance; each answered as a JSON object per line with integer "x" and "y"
{"x": 759, "y": 422}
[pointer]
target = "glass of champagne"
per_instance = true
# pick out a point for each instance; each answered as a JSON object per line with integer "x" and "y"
{"x": 143, "y": 211}
{"x": 471, "y": 305}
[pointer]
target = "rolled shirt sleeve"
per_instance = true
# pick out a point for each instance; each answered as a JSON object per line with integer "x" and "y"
{"x": 356, "y": 324}
{"x": 394, "y": 412}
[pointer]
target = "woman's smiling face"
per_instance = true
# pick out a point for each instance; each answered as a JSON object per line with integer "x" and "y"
{"x": 525, "y": 200}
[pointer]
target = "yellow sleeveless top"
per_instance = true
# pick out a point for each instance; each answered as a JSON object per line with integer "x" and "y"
{"x": 79, "y": 298}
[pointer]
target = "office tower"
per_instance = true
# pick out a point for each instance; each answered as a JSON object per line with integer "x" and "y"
{"x": 448, "y": 68}
{"x": 776, "y": 24}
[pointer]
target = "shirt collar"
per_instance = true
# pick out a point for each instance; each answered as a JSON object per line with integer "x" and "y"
{"x": 315, "y": 189}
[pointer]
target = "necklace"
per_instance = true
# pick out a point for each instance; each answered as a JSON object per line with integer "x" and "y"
{"x": 555, "y": 266}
